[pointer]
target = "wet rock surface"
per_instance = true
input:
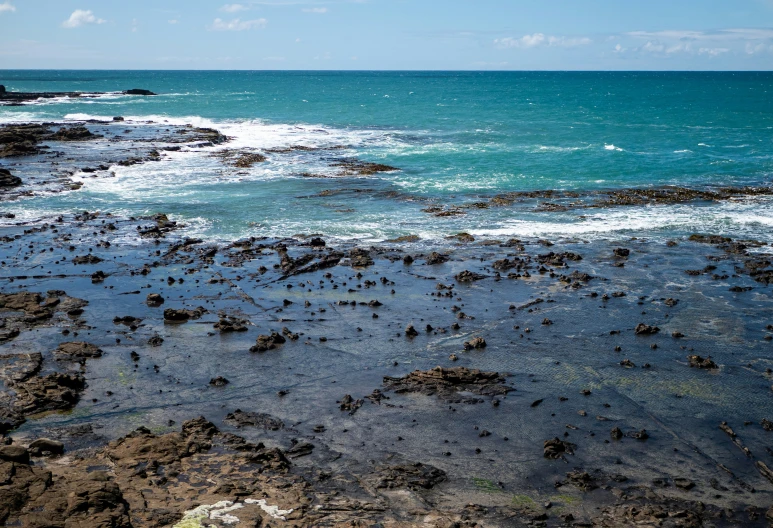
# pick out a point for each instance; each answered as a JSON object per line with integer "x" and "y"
{"x": 94, "y": 388}
{"x": 448, "y": 383}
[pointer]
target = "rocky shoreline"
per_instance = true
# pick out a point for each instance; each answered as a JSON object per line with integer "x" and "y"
{"x": 297, "y": 382}
{"x": 18, "y": 98}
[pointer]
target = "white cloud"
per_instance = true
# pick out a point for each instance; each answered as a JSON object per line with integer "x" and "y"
{"x": 730, "y": 41}
{"x": 233, "y": 8}
{"x": 722, "y": 34}
{"x": 566, "y": 42}
{"x": 318, "y": 10}
{"x": 7, "y": 6}
{"x": 80, "y": 17}
{"x": 173, "y": 21}
{"x": 653, "y": 47}
{"x": 540, "y": 39}
{"x": 712, "y": 52}
{"x": 526, "y": 41}
{"x": 237, "y": 24}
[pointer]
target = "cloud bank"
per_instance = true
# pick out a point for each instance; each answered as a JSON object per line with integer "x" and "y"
{"x": 237, "y": 25}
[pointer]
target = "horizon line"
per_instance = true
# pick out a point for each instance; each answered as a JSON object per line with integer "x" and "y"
{"x": 364, "y": 70}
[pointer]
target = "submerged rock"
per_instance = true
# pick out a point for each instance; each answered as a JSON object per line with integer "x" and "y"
{"x": 697, "y": 361}
{"x": 240, "y": 418}
{"x": 447, "y": 382}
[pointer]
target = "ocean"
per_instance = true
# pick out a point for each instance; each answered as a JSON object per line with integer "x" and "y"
{"x": 458, "y": 140}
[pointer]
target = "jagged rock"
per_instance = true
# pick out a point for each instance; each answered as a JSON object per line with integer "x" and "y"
{"x": 154, "y": 299}
{"x": 267, "y": 342}
{"x": 556, "y": 448}
{"x": 436, "y": 258}
{"x": 412, "y": 476}
{"x": 230, "y": 324}
{"x": 173, "y": 315}
{"x": 77, "y": 351}
{"x": 240, "y": 418}
{"x": 643, "y": 329}
{"x": 469, "y": 276}
{"x": 219, "y": 381}
{"x": 87, "y": 259}
{"x": 447, "y": 382}
{"x": 475, "y": 342}
{"x": 9, "y": 180}
{"x": 349, "y": 404}
{"x": 76, "y": 133}
{"x": 701, "y": 362}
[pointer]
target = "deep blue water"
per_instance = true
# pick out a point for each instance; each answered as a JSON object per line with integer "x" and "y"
{"x": 458, "y": 137}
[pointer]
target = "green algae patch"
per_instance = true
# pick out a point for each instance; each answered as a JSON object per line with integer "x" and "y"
{"x": 525, "y": 502}
{"x": 485, "y": 485}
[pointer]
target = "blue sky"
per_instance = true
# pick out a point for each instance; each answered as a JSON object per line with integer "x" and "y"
{"x": 388, "y": 34}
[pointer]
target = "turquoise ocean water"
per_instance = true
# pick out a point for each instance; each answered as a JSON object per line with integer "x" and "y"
{"x": 457, "y": 138}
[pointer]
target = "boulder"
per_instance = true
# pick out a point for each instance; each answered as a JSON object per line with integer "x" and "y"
{"x": 46, "y": 445}
{"x": 138, "y": 91}
{"x": 8, "y": 180}
{"x": 14, "y": 453}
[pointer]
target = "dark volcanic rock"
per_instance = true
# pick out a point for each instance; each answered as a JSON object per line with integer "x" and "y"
{"x": 154, "y": 299}
{"x": 219, "y": 381}
{"x": 267, "y": 342}
{"x": 360, "y": 258}
{"x": 643, "y": 329}
{"x": 138, "y": 91}
{"x": 436, "y": 258}
{"x": 447, "y": 382}
{"x": 240, "y": 418}
{"x": 77, "y": 351}
{"x": 413, "y": 476}
{"x": 230, "y": 324}
{"x": 9, "y": 180}
{"x": 556, "y": 448}
{"x": 701, "y": 362}
{"x": 172, "y": 315}
{"x": 475, "y": 342}
{"x": 469, "y": 276}
{"x": 348, "y": 403}
{"x": 86, "y": 259}
{"x": 76, "y": 133}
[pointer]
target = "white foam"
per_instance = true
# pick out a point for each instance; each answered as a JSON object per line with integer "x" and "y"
{"x": 612, "y": 147}
{"x": 257, "y": 133}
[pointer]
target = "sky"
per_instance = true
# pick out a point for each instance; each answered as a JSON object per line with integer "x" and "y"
{"x": 388, "y": 34}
